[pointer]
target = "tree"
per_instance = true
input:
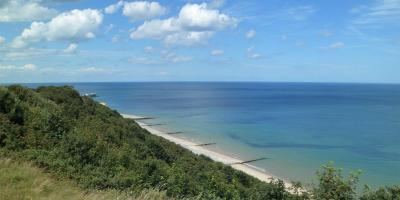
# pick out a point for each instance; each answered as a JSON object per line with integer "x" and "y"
{"x": 332, "y": 185}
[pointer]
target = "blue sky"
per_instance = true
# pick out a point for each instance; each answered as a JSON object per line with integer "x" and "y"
{"x": 190, "y": 40}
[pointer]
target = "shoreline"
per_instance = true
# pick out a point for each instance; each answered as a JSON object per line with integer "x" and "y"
{"x": 217, "y": 156}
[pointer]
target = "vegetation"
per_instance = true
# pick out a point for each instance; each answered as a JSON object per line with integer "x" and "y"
{"x": 20, "y": 180}
{"x": 77, "y": 140}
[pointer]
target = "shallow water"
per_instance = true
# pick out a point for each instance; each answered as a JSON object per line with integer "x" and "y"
{"x": 298, "y": 126}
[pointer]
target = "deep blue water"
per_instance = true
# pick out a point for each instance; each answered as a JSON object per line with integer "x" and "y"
{"x": 298, "y": 126}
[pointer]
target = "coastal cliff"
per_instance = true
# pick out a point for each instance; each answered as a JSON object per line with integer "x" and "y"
{"x": 76, "y": 139}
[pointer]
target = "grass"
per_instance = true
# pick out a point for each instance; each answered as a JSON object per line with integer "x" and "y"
{"x": 20, "y": 181}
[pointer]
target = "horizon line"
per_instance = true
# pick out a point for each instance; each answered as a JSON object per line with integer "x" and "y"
{"x": 180, "y": 81}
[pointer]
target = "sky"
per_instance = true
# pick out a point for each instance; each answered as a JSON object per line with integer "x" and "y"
{"x": 192, "y": 40}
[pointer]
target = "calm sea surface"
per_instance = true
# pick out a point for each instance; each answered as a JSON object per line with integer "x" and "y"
{"x": 298, "y": 126}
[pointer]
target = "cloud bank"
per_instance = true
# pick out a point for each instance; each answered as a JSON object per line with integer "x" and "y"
{"x": 195, "y": 24}
{"x": 74, "y": 26}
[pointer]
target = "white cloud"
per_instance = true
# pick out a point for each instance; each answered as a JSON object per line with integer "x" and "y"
{"x": 202, "y": 18}
{"x": 174, "y": 58}
{"x": 111, "y": 9}
{"x": 251, "y": 33}
{"x": 381, "y": 12}
{"x": 251, "y": 54}
{"x": 188, "y": 38}
{"x": 217, "y": 52}
{"x": 24, "y": 10}
{"x": 91, "y": 70}
{"x": 156, "y": 29}
{"x": 2, "y": 40}
{"x": 29, "y": 67}
{"x": 28, "y": 53}
{"x": 254, "y": 56}
{"x": 4, "y": 67}
{"x": 71, "y": 49}
{"x": 74, "y": 26}
{"x": 13, "y": 68}
{"x": 142, "y": 10}
{"x": 336, "y": 45}
{"x": 196, "y": 23}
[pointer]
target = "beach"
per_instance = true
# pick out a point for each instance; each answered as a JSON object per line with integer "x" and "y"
{"x": 214, "y": 155}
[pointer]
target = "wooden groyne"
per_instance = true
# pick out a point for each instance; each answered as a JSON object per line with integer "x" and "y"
{"x": 153, "y": 124}
{"x": 205, "y": 144}
{"x": 249, "y": 161}
{"x": 174, "y": 133}
{"x": 135, "y": 117}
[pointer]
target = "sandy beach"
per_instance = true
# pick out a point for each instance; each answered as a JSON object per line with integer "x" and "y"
{"x": 216, "y": 156}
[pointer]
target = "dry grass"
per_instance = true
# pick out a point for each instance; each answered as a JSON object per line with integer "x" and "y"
{"x": 22, "y": 181}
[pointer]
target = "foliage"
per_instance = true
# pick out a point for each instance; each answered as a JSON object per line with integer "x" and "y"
{"x": 20, "y": 180}
{"x": 75, "y": 138}
{"x": 384, "y": 193}
{"x": 332, "y": 185}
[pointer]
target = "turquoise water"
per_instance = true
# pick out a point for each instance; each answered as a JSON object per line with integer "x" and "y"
{"x": 298, "y": 126}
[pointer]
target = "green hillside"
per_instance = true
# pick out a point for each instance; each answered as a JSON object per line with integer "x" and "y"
{"x": 76, "y": 140}
{"x": 20, "y": 180}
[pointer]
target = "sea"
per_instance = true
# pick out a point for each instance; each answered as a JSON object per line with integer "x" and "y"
{"x": 298, "y": 127}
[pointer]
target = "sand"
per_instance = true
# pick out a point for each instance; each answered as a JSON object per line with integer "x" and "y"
{"x": 216, "y": 156}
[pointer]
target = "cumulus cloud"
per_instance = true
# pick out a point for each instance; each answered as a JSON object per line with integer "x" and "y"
{"x": 111, "y": 9}
{"x": 217, "y": 52}
{"x": 24, "y": 10}
{"x": 142, "y": 10}
{"x": 251, "y": 33}
{"x": 137, "y": 10}
{"x": 196, "y": 23}
{"x": 71, "y": 49}
{"x": 74, "y": 26}
{"x": 156, "y": 29}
